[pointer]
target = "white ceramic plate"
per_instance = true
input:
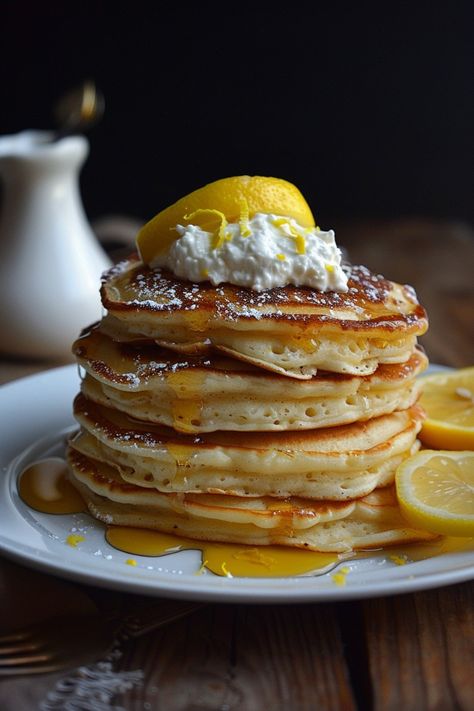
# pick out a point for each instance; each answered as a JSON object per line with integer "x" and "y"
{"x": 35, "y": 415}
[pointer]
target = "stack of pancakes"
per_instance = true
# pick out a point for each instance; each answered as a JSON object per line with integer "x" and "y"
{"x": 225, "y": 414}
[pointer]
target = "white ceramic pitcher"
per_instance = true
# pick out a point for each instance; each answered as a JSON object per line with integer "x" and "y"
{"x": 50, "y": 260}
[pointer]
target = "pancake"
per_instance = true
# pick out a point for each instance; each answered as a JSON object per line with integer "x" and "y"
{"x": 333, "y": 463}
{"x": 201, "y": 394}
{"x": 288, "y": 330}
{"x": 370, "y": 522}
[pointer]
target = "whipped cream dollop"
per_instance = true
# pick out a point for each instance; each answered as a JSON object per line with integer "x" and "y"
{"x": 260, "y": 253}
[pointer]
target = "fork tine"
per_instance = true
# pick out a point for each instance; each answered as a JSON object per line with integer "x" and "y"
{"x": 19, "y": 647}
{"x": 15, "y": 636}
{"x": 28, "y": 659}
{"x": 21, "y": 669}
{"x": 41, "y": 649}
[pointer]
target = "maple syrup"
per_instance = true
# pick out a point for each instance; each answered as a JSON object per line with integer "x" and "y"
{"x": 44, "y": 487}
{"x": 186, "y": 408}
{"x": 224, "y": 558}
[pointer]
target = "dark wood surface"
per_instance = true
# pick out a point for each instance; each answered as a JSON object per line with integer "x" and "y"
{"x": 410, "y": 652}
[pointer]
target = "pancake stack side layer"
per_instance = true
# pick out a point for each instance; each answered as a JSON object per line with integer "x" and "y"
{"x": 224, "y": 414}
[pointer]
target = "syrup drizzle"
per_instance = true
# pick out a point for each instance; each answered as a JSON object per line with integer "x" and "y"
{"x": 186, "y": 410}
{"x": 44, "y": 487}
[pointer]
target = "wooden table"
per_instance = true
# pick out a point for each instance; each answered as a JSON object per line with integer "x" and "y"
{"x": 409, "y": 652}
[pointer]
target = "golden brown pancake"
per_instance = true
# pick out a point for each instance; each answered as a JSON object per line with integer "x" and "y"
{"x": 370, "y": 522}
{"x": 226, "y": 414}
{"x": 203, "y": 394}
{"x": 289, "y": 330}
{"x": 335, "y": 463}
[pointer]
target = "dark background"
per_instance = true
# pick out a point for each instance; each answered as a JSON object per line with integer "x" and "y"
{"x": 366, "y": 107}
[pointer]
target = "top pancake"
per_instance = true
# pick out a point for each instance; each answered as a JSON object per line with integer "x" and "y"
{"x": 290, "y": 330}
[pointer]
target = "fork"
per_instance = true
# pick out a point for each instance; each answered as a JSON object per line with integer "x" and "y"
{"x": 68, "y": 641}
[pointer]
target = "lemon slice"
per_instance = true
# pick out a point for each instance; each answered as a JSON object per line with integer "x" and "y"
{"x": 435, "y": 490}
{"x": 448, "y": 399}
{"x": 227, "y": 196}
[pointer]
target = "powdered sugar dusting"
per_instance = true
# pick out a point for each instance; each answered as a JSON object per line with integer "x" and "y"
{"x": 369, "y": 298}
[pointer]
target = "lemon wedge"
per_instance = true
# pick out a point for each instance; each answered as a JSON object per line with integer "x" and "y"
{"x": 448, "y": 399}
{"x": 435, "y": 490}
{"x": 226, "y": 196}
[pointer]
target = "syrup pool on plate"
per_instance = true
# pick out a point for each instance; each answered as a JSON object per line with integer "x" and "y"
{"x": 44, "y": 486}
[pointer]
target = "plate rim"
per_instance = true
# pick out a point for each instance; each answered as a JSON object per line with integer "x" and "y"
{"x": 216, "y": 589}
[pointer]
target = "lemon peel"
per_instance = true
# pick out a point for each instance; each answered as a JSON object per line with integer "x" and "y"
{"x": 220, "y": 234}
{"x": 263, "y": 194}
{"x": 245, "y": 230}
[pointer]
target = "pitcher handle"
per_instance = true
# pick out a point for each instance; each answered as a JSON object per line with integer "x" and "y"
{"x": 116, "y": 230}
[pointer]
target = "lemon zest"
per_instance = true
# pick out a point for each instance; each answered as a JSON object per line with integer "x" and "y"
{"x": 329, "y": 268}
{"x": 131, "y": 561}
{"x": 295, "y": 234}
{"x": 281, "y": 257}
{"x": 225, "y": 571}
{"x": 300, "y": 244}
{"x": 245, "y": 230}
{"x": 279, "y": 221}
{"x": 73, "y": 540}
{"x": 202, "y": 568}
{"x": 340, "y": 577}
{"x": 300, "y": 241}
{"x": 220, "y": 233}
{"x": 398, "y": 559}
